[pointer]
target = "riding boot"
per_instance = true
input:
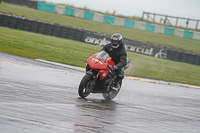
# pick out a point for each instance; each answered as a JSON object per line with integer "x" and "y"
{"x": 116, "y": 86}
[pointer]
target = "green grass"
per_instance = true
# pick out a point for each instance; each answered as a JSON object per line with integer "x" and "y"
{"x": 45, "y": 47}
{"x": 37, "y": 46}
{"x": 145, "y": 36}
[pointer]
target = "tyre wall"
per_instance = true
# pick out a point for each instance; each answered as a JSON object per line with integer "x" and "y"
{"x": 95, "y": 38}
{"x": 28, "y": 3}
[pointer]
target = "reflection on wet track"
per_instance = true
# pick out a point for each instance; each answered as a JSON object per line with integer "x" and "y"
{"x": 38, "y": 97}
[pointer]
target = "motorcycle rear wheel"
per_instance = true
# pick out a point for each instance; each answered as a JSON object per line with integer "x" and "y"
{"x": 84, "y": 87}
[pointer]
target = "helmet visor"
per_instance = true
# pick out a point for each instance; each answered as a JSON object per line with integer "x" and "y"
{"x": 115, "y": 42}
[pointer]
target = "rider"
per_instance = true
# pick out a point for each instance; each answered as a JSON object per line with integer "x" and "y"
{"x": 116, "y": 50}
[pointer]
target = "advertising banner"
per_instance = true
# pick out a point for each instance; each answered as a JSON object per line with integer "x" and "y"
{"x": 178, "y": 32}
{"x": 159, "y": 29}
{"x": 98, "y": 17}
{"x": 119, "y": 21}
{"x": 69, "y": 11}
{"x": 89, "y": 15}
{"x": 100, "y": 39}
{"x": 196, "y": 35}
{"x": 188, "y": 34}
{"x": 109, "y": 19}
{"x": 140, "y": 25}
{"x": 60, "y": 9}
{"x": 79, "y": 13}
{"x": 46, "y": 7}
{"x": 150, "y": 27}
{"x": 169, "y": 31}
{"x": 129, "y": 23}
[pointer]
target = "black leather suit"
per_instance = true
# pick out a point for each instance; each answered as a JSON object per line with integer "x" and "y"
{"x": 119, "y": 56}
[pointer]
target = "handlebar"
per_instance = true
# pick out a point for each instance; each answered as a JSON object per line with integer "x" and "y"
{"x": 112, "y": 71}
{"x": 111, "y": 67}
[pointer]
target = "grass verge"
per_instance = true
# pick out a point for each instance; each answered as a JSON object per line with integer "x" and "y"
{"x": 37, "y": 46}
{"x": 145, "y": 36}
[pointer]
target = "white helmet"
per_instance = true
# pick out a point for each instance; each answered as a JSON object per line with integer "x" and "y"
{"x": 116, "y": 40}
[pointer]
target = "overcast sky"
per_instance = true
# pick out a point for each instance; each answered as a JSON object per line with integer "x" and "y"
{"x": 179, "y": 8}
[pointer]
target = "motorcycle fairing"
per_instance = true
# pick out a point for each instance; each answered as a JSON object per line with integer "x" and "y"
{"x": 100, "y": 65}
{"x": 103, "y": 74}
{"x": 96, "y": 63}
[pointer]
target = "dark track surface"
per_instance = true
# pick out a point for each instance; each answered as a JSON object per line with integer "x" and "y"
{"x": 37, "y": 97}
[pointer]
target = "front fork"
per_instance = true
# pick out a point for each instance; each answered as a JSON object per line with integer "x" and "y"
{"x": 113, "y": 76}
{"x": 93, "y": 79}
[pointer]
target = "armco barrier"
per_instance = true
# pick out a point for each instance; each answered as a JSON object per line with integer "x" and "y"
{"x": 95, "y": 38}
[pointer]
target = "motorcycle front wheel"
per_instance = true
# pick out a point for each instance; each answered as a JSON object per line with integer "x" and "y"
{"x": 85, "y": 87}
{"x": 111, "y": 94}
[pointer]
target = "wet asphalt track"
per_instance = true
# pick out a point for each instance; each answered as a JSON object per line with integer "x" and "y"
{"x": 36, "y": 97}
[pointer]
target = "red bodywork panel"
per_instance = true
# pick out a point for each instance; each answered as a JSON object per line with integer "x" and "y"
{"x": 99, "y": 65}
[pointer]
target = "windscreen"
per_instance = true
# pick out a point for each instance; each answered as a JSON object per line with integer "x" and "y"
{"x": 102, "y": 55}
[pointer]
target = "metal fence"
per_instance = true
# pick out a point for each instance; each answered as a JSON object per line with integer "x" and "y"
{"x": 165, "y": 19}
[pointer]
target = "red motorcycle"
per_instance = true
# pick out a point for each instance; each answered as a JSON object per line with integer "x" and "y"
{"x": 99, "y": 77}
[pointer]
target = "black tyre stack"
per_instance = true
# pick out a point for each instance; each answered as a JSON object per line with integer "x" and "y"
{"x": 34, "y": 26}
{"x": 20, "y": 23}
{"x": 28, "y": 3}
{"x": 5, "y": 19}
{"x": 13, "y": 22}
{"x": 27, "y": 24}
{"x": 48, "y": 29}
{"x": 56, "y": 30}
{"x": 63, "y": 31}
{"x": 41, "y": 27}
